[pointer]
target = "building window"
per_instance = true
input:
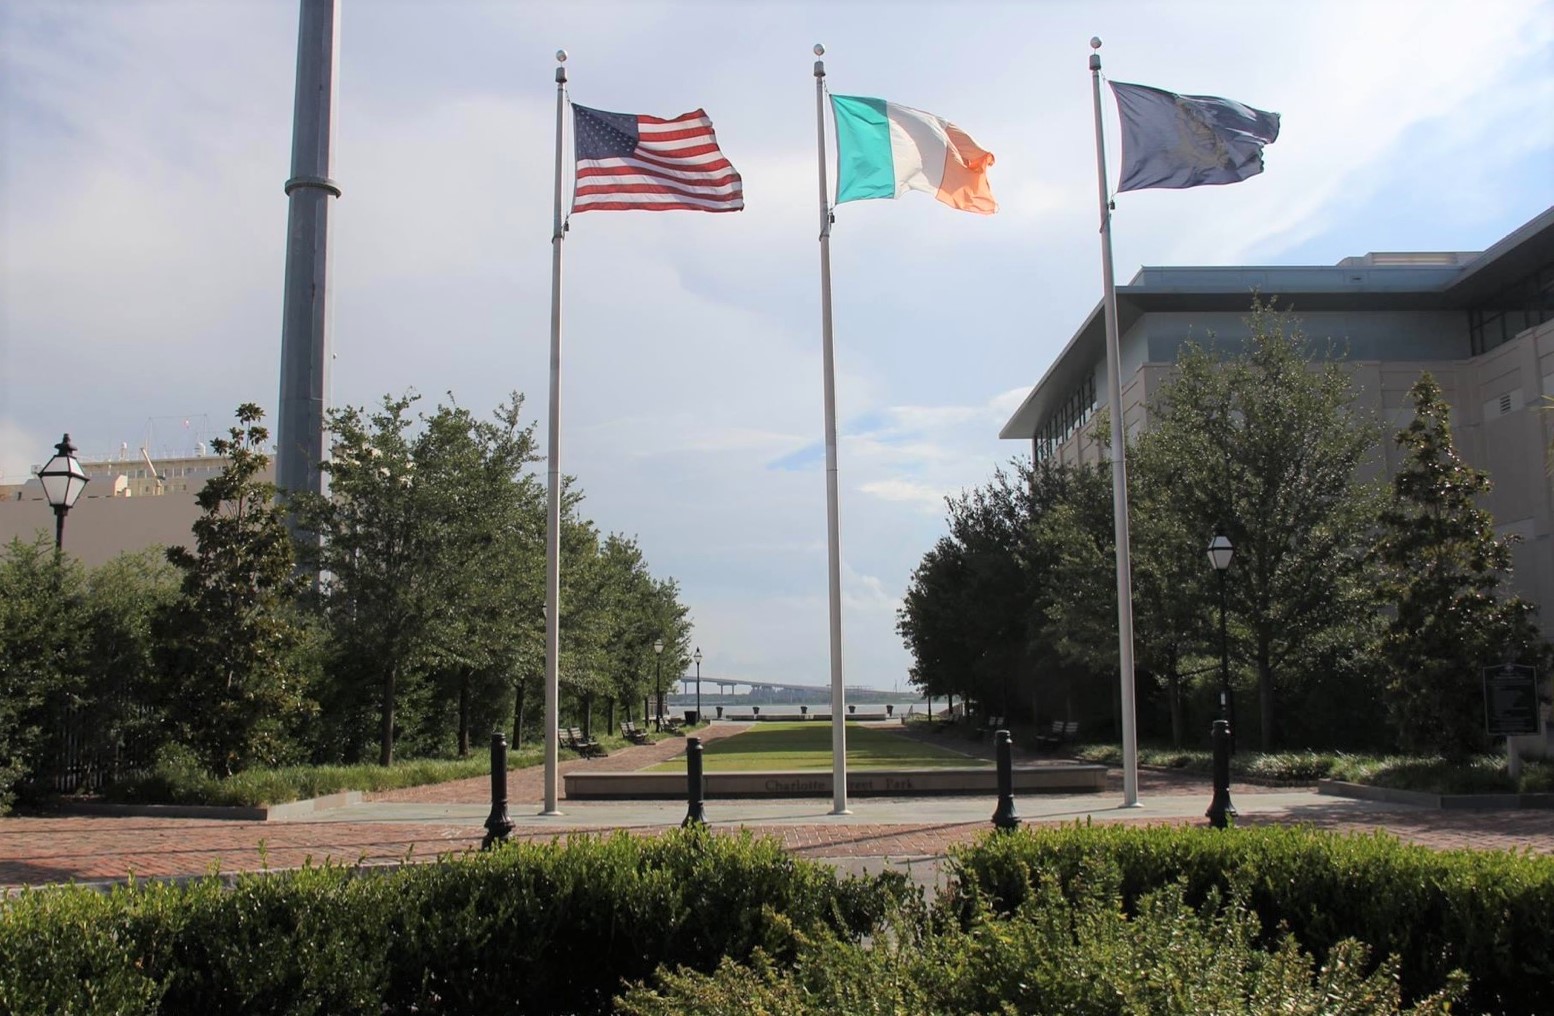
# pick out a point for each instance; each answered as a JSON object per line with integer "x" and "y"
{"x": 1074, "y": 413}
{"x": 1524, "y": 304}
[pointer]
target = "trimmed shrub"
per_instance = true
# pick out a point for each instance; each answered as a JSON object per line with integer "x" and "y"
{"x": 1484, "y": 912}
{"x": 1075, "y": 920}
{"x": 527, "y": 928}
{"x": 1053, "y": 955}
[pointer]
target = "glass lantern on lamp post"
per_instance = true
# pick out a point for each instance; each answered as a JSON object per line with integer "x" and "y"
{"x": 63, "y": 480}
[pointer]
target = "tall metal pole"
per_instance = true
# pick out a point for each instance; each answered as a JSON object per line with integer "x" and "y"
{"x": 698, "y": 685}
{"x": 1224, "y": 653}
{"x": 553, "y": 472}
{"x": 305, "y": 317}
{"x": 1130, "y": 772}
{"x": 833, "y": 529}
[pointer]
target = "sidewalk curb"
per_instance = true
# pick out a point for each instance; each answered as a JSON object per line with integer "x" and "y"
{"x": 238, "y": 813}
{"x": 1439, "y": 802}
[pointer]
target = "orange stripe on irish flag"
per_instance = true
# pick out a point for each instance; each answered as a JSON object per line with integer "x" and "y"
{"x": 885, "y": 149}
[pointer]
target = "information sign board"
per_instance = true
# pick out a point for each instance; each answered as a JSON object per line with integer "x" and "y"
{"x": 1511, "y": 699}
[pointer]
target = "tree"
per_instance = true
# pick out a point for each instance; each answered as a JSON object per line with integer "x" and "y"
{"x": 975, "y": 614}
{"x": 1266, "y": 444}
{"x": 117, "y": 718}
{"x": 930, "y": 620}
{"x": 77, "y": 668}
{"x": 41, "y": 655}
{"x": 431, "y": 539}
{"x": 492, "y": 551}
{"x": 233, "y": 644}
{"x": 1441, "y": 567}
{"x": 1168, "y": 583}
{"x": 612, "y": 611}
{"x": 967, "y": 613}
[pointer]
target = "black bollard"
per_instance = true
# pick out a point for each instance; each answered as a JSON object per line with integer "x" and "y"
{"x": 1221, "y": 811}
{"x": 1005, "y": 817}
{"x": 694, "y": 814}
{"x": 498, "y": 825}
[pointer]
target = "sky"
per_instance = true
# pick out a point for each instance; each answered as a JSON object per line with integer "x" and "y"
{"x": 142, "y": 229}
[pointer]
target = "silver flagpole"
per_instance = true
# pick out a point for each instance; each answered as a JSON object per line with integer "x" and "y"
{"x": 553, "y": 470}
{"x": 1130, "y": 761}
{"x": 833, "y": 529}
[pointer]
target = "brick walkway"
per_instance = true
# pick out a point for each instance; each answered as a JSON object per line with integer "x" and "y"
{"x": 39, "y": 850}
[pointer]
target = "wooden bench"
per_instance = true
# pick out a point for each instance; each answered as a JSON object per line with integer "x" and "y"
{"x": 587, "y": 747}
{"x": 991, "y": 725}
{"x": 1063, "y": 731}
{"x": 631, "y": 733}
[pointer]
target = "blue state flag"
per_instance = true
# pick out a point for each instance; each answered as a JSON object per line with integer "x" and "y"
{"x": 1171, "y": 140}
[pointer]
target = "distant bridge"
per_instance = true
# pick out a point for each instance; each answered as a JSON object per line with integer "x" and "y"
{"x": 730, "y": 685}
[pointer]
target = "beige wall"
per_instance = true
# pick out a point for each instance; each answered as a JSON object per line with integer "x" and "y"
{"x": 103, "y": 525}
{"x": 98, "y": 529}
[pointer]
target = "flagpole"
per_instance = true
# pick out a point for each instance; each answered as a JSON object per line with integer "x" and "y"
{"x": 553, "y": 470}
{"x": 833, "y": 528}
{"x": 1130, "y": 771}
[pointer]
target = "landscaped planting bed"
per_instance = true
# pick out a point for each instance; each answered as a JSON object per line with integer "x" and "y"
{"x": 1484, "y": 774}
{"x": 1074, "y": 920}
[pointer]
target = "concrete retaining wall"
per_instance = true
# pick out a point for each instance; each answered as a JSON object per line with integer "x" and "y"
{"x": 1054, "y": 779}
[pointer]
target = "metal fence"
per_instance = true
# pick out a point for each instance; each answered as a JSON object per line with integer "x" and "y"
{"x": 87, "y": 748}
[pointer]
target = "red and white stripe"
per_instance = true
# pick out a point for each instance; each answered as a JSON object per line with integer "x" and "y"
{"x": 677, "y": 165}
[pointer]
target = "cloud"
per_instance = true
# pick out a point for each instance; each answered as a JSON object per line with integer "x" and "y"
{"x": 20, "y": 450}
{"x": 930, "y": 498}
{"x": 143, "y": 227}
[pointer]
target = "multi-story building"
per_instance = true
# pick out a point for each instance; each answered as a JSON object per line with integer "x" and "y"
{"x": 1482, "y": 323}
{"x": 129, "y": 504}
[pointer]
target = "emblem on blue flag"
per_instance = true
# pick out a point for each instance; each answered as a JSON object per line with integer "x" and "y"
{"x": 1171, "y": 140}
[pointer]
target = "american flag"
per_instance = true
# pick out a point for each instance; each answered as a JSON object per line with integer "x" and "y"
{"x": 626, "y": 161}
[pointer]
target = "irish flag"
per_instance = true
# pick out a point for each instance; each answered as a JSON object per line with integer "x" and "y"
{"x": 884, "y": 150}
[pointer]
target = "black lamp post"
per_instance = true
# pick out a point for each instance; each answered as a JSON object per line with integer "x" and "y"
{"x": 63, "y": 480}
{"x": 1221, "y": 811}
{"x": 1220, "y": 553}
{"x": 697, "y": 658}
{"x": 658, "y": 683}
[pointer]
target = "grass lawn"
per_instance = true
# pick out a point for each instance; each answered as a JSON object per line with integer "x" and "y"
{"x": 807, "y": 745}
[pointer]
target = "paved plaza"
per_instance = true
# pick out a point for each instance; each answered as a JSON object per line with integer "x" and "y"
{"x": 420, "y": 823}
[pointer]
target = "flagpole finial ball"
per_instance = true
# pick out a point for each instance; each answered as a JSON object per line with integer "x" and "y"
{"x": 561, "y": 56}
{"x": 1095, "y": 42}
{"x": 820, "y": 50}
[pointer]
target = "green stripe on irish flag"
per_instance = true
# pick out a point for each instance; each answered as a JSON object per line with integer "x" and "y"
{"x": 884, "y": 149}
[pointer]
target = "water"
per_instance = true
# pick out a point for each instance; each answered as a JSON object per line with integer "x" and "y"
{"x": 860, "y": 710}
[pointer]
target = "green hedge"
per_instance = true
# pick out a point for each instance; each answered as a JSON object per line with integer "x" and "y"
{"x": 1487, "y": 913}
{"x": 1082, "y": 919}
{"x": 530, "y": 929}
{"x": 1053, "y": 955}
{"x": 1484, "y": 774}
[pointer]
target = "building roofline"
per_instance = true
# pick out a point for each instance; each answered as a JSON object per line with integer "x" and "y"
{"x": 1346, "y": 286}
